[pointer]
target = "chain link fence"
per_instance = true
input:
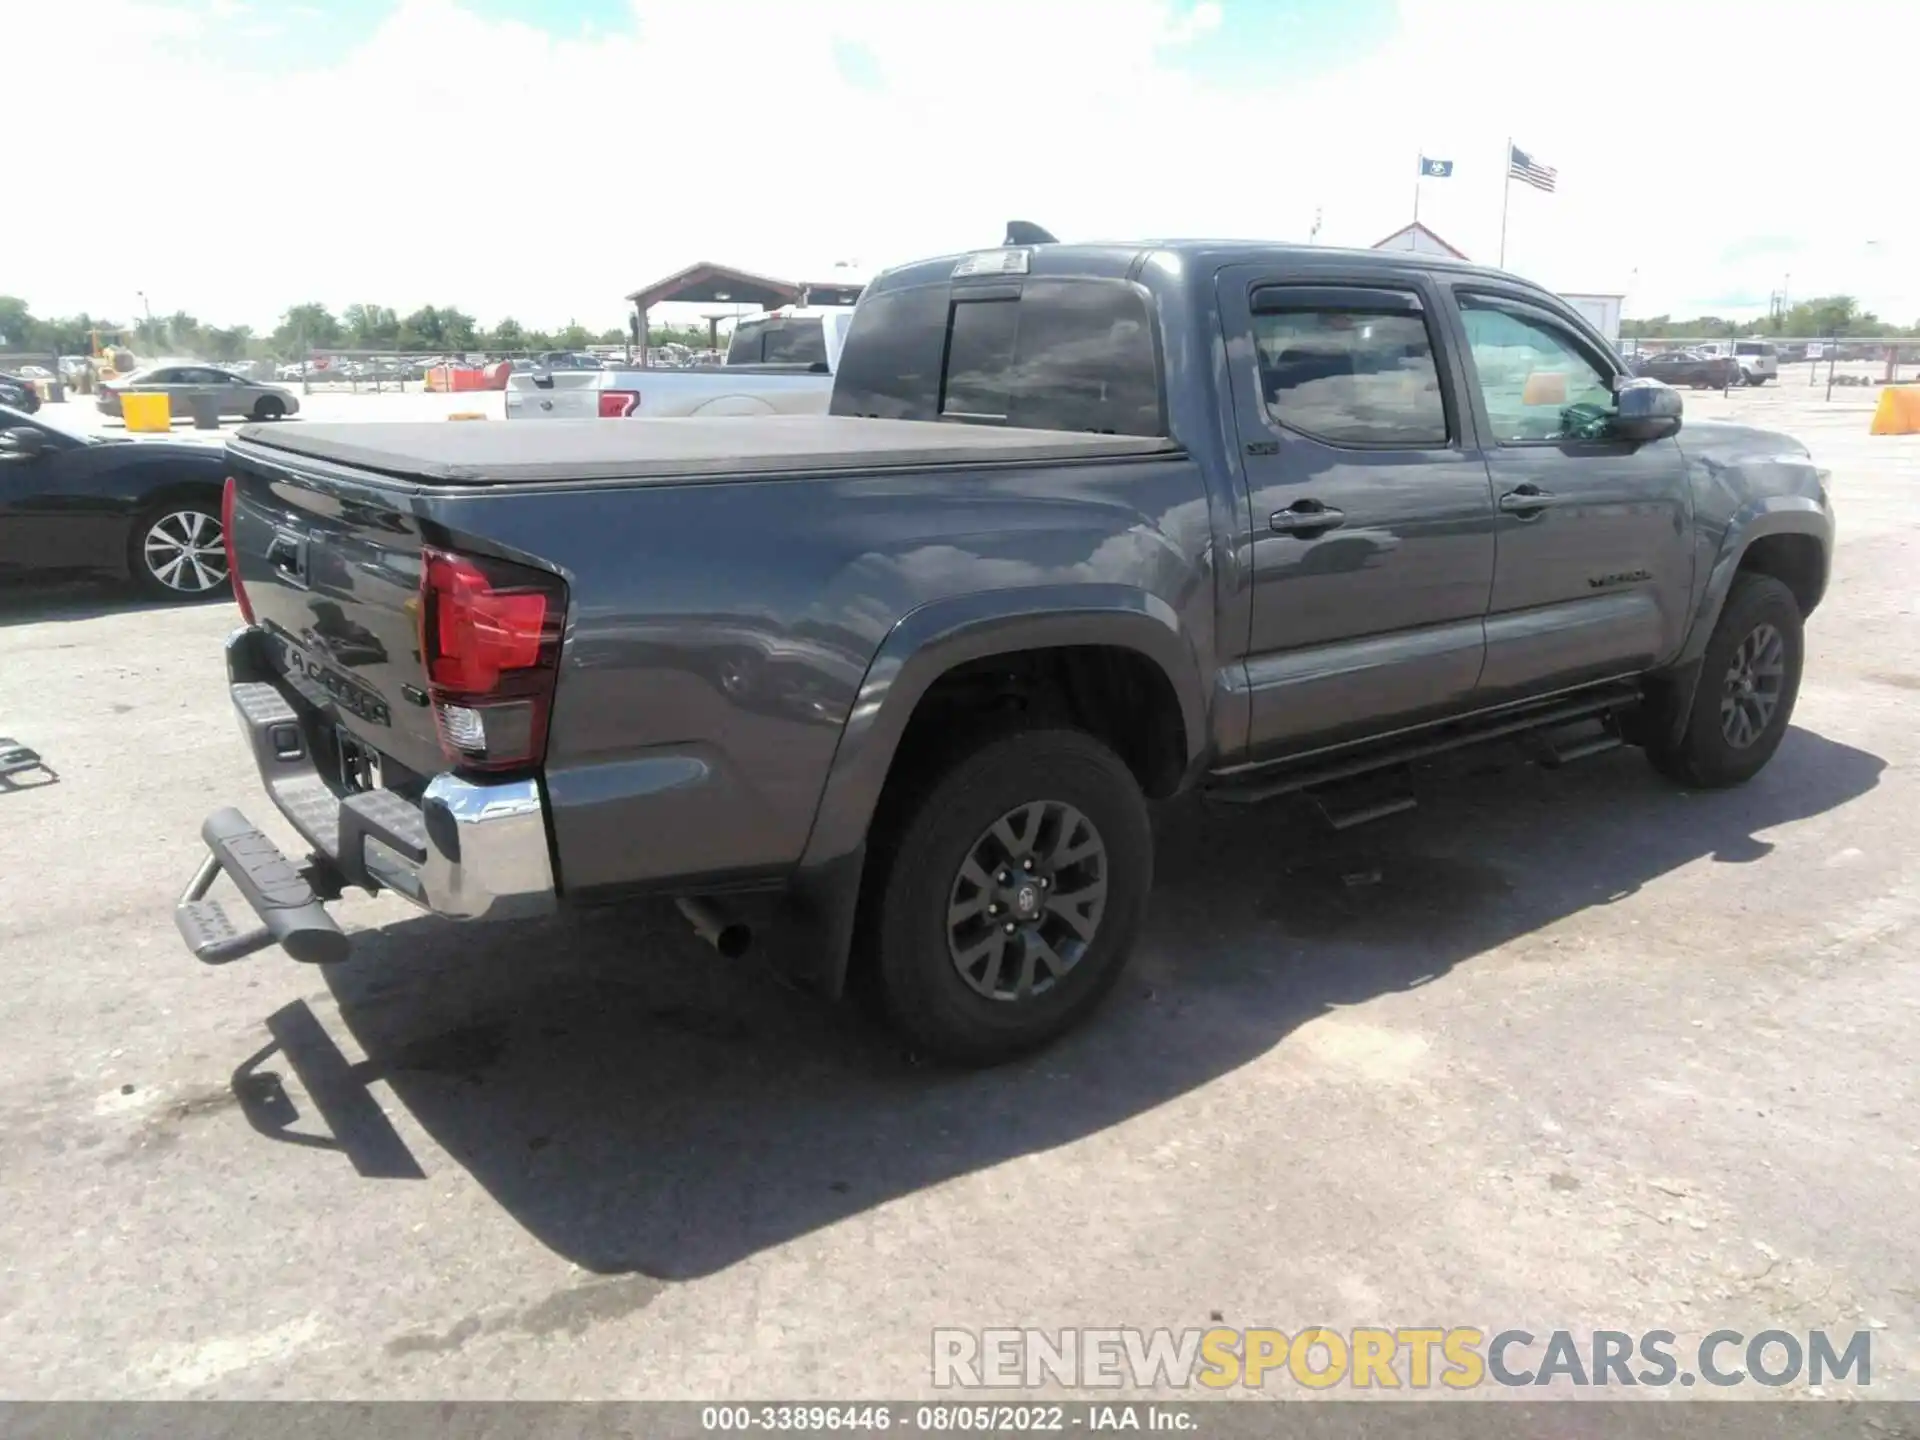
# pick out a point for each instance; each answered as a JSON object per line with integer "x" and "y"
{"x": 1841, "y": 361}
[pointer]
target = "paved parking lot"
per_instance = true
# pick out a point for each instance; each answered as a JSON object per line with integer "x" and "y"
{"x": 1559, "y": 1049}
{"x": 81, "y": 413}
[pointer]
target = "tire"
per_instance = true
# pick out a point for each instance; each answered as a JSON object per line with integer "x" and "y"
{"x": 1051, "y": 793}
{"x": 177, "y": 552}
{"x": 269, "y": 407}
{"x": 1737, "y": 721}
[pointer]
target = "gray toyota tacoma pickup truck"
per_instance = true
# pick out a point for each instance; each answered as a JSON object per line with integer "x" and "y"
{"x": 889, "y": 689}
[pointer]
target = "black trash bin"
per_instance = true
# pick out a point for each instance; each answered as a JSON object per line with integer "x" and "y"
{"x": 206, "y": 411}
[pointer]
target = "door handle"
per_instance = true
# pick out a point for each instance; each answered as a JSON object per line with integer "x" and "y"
{"x": 1306, "y": 519}
{"x": 1527, "y": 500}
{"x": 288, "y": 554}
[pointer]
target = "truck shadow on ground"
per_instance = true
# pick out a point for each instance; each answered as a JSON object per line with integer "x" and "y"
{"x": 641, "y": 1106}
{"x": 81, "y": 597}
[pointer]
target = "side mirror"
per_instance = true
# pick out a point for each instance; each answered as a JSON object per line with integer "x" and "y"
{"x": 1646, "y": 409}
{"x": 22, "y": 441}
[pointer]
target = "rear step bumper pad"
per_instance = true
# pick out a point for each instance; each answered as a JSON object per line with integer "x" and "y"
{"x": 291, "y": 914}
{"x": 468, "y": 849}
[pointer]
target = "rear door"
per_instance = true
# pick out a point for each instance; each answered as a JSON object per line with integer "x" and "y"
{"x": 1372, "y": 521}
{"x": 1594, "y": 562}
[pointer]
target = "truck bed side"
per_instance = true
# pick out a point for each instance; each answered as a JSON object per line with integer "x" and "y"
{"x": 704, "y": 686}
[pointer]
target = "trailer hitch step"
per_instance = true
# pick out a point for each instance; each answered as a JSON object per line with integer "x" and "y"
{"x": 292, "y": 915}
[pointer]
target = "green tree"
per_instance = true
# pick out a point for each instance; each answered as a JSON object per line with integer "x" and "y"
{"x": 230, "y": 343}
{"x": 431, "y": 328}
{"x": 371, "y": 327}
{"x": 507, "y": 335}
{"x": 304, "y": 328}
{"x": 18, "y": 328}
{"x": 459, "y": 328}
{"x": 574, "y": 337}
{"x": 423, "y": 330}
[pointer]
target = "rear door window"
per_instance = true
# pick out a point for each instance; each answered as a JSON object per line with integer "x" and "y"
{"x": 1045, "y": 355}
{"x": 1354, "y": 375}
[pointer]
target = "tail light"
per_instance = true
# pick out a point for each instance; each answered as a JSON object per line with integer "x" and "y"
{"x": 490, "y": 641}
{"x": 233, "y": 550}
{"x": 618, "y": 404}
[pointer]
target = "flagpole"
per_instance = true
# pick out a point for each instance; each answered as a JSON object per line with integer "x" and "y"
{"x": 1419, "y": 174}
{"x": 1506, "y": 194}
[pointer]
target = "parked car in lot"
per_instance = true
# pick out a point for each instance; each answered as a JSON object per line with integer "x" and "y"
{"x": 18, "y": 392}
{"x": 181, "y": 384}
{"x": 1690, "y": 368}
{"x": 1759, "y": 361}
{"x": 799, "y": 384}
{"x": 1086, "y": 525}
{"x": 145, "y": 510}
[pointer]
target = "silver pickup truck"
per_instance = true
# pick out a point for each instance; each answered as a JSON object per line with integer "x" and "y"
{"x": 779, "y": 363}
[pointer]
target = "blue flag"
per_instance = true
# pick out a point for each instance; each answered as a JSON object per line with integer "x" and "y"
{"x": 1435, "y": 169}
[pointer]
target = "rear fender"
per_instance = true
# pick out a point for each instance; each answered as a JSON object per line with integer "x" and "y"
{"x": 922, "y": 647}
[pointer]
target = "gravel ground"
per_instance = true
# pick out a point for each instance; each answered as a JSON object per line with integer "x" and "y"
{"x": 1565, "y": 1049}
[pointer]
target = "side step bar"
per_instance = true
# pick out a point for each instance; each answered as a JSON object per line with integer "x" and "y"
{"x": 281, "y": 894}
{"x": 1306, "y": 774}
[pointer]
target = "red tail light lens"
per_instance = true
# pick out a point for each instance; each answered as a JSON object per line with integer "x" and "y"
{"x": 233, "y": 552}
{"x": 618, "y": 404}
{"x": 490, "y": 641}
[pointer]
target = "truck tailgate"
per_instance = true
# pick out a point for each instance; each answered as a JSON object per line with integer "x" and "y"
{"x": 563, "y": 395}
{"x": 334, "y": 583}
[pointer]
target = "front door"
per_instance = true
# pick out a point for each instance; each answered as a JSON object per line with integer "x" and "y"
{"x": 1372, "y": 520}
{"x": 1595, "y": 562}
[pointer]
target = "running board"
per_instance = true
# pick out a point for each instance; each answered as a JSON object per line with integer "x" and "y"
{"x": 1292, "y": 777}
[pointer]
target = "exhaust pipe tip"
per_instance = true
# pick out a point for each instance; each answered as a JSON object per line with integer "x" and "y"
{"x": 730, "y": 936}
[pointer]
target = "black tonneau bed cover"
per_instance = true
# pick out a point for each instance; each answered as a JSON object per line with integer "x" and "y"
{"x": 490, "y": 452}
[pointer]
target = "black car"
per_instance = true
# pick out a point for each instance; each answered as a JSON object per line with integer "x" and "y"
{"x": 1690, "y": 368}
{"x": 147, "y": 510}
{"x": 18, "y": 393}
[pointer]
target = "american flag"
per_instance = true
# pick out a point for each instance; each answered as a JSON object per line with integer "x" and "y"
{"x": 1522, "y": 166}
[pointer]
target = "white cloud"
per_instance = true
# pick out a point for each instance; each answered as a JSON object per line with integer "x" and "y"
{"x": 1704, "y": 149}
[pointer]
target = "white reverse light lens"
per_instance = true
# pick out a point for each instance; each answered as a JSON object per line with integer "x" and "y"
{"x": 465, "y": 729}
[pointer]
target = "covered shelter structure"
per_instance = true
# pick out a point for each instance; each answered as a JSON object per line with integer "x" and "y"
{"x": 705, "y": 282}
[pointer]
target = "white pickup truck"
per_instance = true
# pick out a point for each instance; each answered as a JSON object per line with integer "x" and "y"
{"x": 781, "y": 362}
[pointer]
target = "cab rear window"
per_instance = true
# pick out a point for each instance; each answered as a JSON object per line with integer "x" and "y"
{"x": 1044, "y": 355}
{"x": 778, "y": 342}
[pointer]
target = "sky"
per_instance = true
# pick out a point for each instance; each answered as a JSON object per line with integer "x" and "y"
{"x": 541, "y": 159}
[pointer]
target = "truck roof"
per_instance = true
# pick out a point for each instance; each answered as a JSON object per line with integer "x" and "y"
{"x": 1119, "y": 259}
{"x": 689, "y": 448}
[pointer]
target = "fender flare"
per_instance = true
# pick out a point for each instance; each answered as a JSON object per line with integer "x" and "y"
{"x": 921, "y": 647}
{"x": 931, "y": 640}
{"x": 1775, "y": 515}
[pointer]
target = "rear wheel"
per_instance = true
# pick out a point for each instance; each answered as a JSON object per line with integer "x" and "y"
{"x": 178, "y": 551}
{"x": 269, "y": 407}
{"x": 1743, "y": 702}
{"x": 1014, "y": 884}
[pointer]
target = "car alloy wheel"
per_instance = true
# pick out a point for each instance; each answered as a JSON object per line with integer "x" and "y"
{"x": 185, "y": 552}
{"x": 1751, "y": 691}
{"x": 1027, "y": 901}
